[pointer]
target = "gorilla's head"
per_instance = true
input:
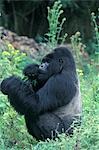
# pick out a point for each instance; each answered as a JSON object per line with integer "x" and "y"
{"x": 61, "y": 58}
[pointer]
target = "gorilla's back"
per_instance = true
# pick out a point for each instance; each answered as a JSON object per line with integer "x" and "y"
{"x": 74, "y": 108}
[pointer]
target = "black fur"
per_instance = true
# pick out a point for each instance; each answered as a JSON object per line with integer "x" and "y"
{"x": 55, "y": 87}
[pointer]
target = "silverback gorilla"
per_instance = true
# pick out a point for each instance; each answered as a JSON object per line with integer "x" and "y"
{"x": 52, "y": 104}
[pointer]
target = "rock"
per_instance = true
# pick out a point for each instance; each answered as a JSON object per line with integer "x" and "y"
{"x": 22, "y": 43}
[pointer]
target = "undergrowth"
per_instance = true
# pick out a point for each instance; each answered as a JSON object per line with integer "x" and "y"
{"x": 13, "y": 134}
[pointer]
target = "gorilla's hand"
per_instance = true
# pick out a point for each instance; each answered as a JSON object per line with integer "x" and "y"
{"x": 31, "y": 71}
{"x": 9, "y": 84}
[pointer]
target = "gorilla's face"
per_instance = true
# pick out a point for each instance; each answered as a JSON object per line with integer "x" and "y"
{"x": 58, "y": 60}
{"x": 55, "y": 63}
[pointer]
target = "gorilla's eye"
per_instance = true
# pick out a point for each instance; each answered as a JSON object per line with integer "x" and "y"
{"x": 61, "y": 60}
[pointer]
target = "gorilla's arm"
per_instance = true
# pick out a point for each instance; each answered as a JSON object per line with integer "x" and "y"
{"x": 53, "y": 94}
{"x": 58, "y": 91}
{"x": 20, "y": 95}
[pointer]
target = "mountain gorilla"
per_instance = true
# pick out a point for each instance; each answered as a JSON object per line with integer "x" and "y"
{"x": 51, "y": 104}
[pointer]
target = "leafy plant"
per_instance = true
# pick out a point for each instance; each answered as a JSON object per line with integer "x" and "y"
{"x": 78, "y": 48}
{"x": 93, "y": 44}
{"x": 96, "y": 28}
{"x": 96, "y": 35}
{"x": 55, "y": 27}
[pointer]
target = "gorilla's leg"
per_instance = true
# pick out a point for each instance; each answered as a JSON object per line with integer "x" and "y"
{"x": 46, "y": 126}
{"x": 70, "y": 122}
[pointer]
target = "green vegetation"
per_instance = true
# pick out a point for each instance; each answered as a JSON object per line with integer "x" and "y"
{"x": 30, "y": 17}
{"x": 13, "y": 134}
{"x": 55, "y": 27}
